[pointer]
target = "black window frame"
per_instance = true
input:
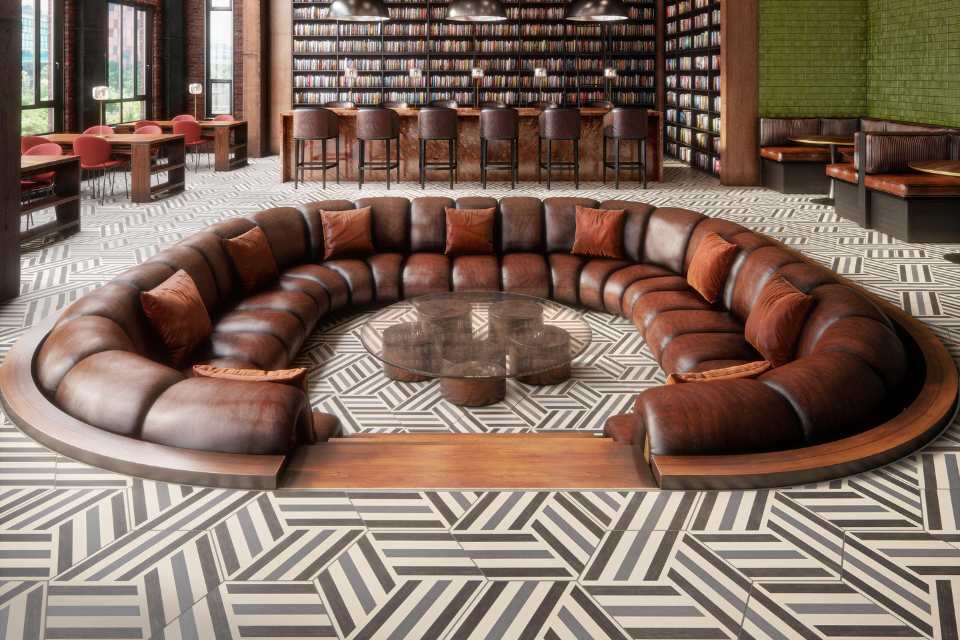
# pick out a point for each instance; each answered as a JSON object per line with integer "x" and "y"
{"x": 209, "y": 82}
{"x": 147, "y": 97}
{"x": 58, "y": 86}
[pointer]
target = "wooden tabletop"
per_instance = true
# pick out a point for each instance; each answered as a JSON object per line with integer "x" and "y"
{"x": 33, "y": 163}
{"x": 472, "y": 112}
{"x": 949, "y": 168}
{"x": 823, "y": 140}
{"x": 118, "y": 138}
{"x": 204, "y": 124}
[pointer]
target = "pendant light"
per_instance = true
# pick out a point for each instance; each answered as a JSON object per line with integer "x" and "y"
{"x": 476, "y": 11}
{"x": 359, "y": 11}
{"x": 597, "y": 11}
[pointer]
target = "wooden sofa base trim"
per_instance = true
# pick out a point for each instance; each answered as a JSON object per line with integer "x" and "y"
{"x": 795, "y": 177}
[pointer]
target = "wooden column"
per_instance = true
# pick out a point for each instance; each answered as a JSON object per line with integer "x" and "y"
{"x": 281, "y": 71}
{"x": 256, "y": 104}
{"x": 740, "y": 93}
{"x": 661, "y": 60}
{"x": 10, "y": 149}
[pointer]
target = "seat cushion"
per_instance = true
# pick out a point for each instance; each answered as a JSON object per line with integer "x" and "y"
{"x": 282, "y": 325}
{"x": 620, "y": 280}
{"x": 334, "y": 283}
{"x": 525, "y": 273}
{"x": 640, "y": 288}
{"x": 314, "y": 290}
{"x": 72, "y": 341}
{"x": 426, "y": 273}
{"x": 687, "y": 352}
{"x": 669, "y": 325}
{"x": 299, "y": 304}
{"x": 565, "y": 277}
{"x": 593, "y": 279}
{"x": 843, "y": 171}
{"x": 386, "y": 269}
{"x": 356, "y": 273}
{"x": 796, "y": 154}
{"x": 475, "y": 273}
{"x": 914, "y": 185}
{"x": 263, "y": 350}
{"x": 650, "y": 306}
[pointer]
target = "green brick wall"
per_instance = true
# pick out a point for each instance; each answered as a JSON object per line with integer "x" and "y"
{"x": 813, "y": 57}
{"x": 913, "y": 60}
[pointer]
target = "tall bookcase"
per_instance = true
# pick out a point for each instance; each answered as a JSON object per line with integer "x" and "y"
{"x": 692, "y": 110}
{"x": 418, "y": 37}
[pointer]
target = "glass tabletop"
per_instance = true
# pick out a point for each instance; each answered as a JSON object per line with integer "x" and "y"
{"x": 478, "y": 335}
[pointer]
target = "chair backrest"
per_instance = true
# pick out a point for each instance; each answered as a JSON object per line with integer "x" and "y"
{"x": 341, "y": 104}
{"x": 377, "y": 123}
{"x": 26, "y": 142}
{"x": 93, "y": 150}
{"x": 438, "y": 123}
{"x": 223, "y": 117}
{"x": 499, "y": 123}
{"x": 148, "y": 128}
{"x": 315, "y": 124}
{"x": 493, "y": 104}
{"x": 628, "y": 123}
{"x": 183, "y": 117}
{"x": 598, "y": 104}
{"x": 141, "y": 123}
{"x": 190, "y": 129}
{"x": 98, "y": 130}
{"x": 44, "y": 149}
{"x": 560, "y": 123}
{"x": 449, "y": 104}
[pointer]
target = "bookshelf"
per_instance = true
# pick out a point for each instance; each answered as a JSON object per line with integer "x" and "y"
{"x": 380, "y": 56}
{"x": 692, "y": 112}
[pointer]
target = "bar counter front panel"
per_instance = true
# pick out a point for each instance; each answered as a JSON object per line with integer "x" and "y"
{"x": 591, "y": 149}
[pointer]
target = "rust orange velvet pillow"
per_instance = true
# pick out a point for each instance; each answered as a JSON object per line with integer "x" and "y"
{"x": 776, "y": 319}
{"x": 253, "y": 259}
{"x": 347, "y": 233}
{"x": 293, "y": 377}
{"x": 469, "y": 231}
{"x": 599, "y": 233}
{"x": 737, "y": 371}
{"x": 178, "y": 315}
{"x": 710, "y": 266}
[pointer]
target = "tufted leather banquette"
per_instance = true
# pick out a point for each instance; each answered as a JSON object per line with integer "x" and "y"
{"x": 102, "y": 364}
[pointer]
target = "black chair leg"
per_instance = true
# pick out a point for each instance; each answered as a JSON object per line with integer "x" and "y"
{"x": 576, "y": 164}
{"x": 360, "y": 163}
{"x": 387, "y": 158}
{"x": 539, "y": 160}
{"x": 450, "y": 162}
{"x": 323, "y": 153}
{"x": 643, "y": 163}
{"x": 616, "y": 163}
{"x": 420, "y": 164}
{"x": 483, "y": 164}
{"x": 549, "y": 164}
{"x": 296, "y": 164}
{"x": 513, "y": 163}
{"x": 398, "y": 159}
{"x": 604, "y": 163}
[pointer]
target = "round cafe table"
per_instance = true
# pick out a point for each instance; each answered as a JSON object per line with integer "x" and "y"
{"x": 949, "y": 168}
{"x": 826, "y": 141}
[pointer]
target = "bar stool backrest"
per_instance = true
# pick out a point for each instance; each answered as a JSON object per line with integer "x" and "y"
{"x": 598, "y": 104}
{"x": 438, "y": 123}
{"x": 392, "y": 104}
{"x": 493, "y": 105}
{"x": 315, "y": 124}
{"x": 449, "y": 104}
{"x": 501, "y": 123}
{"x": 561, "y": 123}
{"x": 627, "y": 123}
{"x": 341, "y": 104}
{"x": 377, "y": 123}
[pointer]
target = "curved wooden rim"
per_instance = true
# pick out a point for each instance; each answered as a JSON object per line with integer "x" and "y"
{"x": 43, "y": 421}
{"x": 920, "y": 422}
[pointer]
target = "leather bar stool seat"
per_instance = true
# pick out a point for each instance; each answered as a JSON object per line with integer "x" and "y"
{"x": 598, "y": 104}
{"x": 373, "y": 124}
{"x": 394, "y": 104}
{"x": 449, "y": 104}
{"x": 626, "y": 124}
{"x": 341, "y": 104}
{"x": 310, "y": 125}
{"x": 493, "y": 104}
{"x": 558, "y": 123}
{"x": 440, "y": 124}
{"x": 499, "y": 124}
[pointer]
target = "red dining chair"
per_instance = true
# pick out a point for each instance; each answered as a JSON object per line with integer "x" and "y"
{"x": 183, "y": 117}
{"x": 223, "y": 117}
{"x": 148, "y": 129}
{"x": 95, "y": 157}
{"x": 26, "y": 142}
{"x": 192, "y": 138}
{"x": 98, "y": 130}
{"x": 38, "y": 185}
{"x": 142, "y": 123}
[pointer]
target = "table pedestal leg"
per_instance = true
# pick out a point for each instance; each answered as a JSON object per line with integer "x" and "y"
{"x": 829, "y": 200}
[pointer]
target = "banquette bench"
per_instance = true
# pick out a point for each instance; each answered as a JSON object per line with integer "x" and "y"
{"x": 97, "y": 385}
{"x": 789, "y": 167}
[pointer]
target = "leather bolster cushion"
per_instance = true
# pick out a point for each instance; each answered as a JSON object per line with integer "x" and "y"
{"x": 795, "y": 154}
{"x": 227, "y": 416}
{"x": 717, "y": 417}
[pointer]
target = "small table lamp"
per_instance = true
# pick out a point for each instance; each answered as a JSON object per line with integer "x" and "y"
{"x": 195, "y": 89}
{"x": 101, "y": 93}
{"x": 477, "y": 74}
{"x": 609, "y": 74}
{"x": 541, "y": 74}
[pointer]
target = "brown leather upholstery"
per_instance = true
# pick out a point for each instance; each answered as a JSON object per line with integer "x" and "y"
{"x": 315, "y": 124}
{"x": 776, "y": 132}
{"x": 626, "y": 123}
{"x": 913, "y": 185}
{"x": 102, "y": 363}
{"x": 892, "y": 152}
{"x": 438, "y": 123}
{"x": 796, "y": 154}
{"x": 377, "y": 124}
{"x": 560, "y": 124}
{"x": 843, "y": 171}
{"x": 499, "y": 123}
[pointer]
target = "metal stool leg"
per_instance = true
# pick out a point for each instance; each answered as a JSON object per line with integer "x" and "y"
{"x": 643, "y": 163}
{"x": 549, "y": 164}
{"x": 451, "y": 163}
{"x": 616, "y": 163}
{"x": 323, "y": 153}
{"x": 387, "y": 162}
{"x": 539, "y": 159}
{"x": 296, "y": 164}
{"x": 604, "y": 163}
{"x": 576, "y": 164}
{"x": 337, "y": 151}
{"x": 483, "y": 164}
{"x": 398, "y": 159}
{"x": 360, "y": 163}
{"x": 513, "y": 163}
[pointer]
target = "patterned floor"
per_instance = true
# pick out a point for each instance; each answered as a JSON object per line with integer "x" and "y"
{"x": 90, "y": 554}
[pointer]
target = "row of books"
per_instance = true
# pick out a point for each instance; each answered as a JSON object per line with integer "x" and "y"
{"x": 506, "y": 47}
{"x": 696, "y": 41}
{"x": 685, "y": 6}
{"x": 693, "y": 101}
{"x": 416, "y": 97}
{"x": 691, "y": 63}
{"x": 423, "y": 13}
{"x": 554, "y": 66}
{"x": 698, "y": 83}
{"x": 452, "y": 30}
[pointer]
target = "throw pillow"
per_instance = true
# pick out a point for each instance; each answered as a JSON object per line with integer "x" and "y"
{"x": 599, "y": 233}
{"x": 469, "y": 231}
{"x": 177, "y": 313}
{"x": 776, "y": 319}
{"x": 347, "y": 233}
{"x": 737, "y": 371}
{"x": 253, "y": 259}
{"x": 710, "y": 266}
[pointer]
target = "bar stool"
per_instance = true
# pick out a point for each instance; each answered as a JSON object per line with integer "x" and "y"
{"x": 438, "y": 123}
{"x": 493, "y": 104}
{"x": 626, "y": 123}
{"x": 559, "y": 123}
{"x": 499, "y": 124}
{"x": 310, "y": 125}
{"x": 448, "y": 104}
{"x": 340, "y": 104}
{"x": 598, "y": 104}
{"x": 394, "y": 104}
{"x": 377, "y": 123}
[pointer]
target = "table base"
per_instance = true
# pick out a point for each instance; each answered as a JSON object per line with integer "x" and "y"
{"x": 473, "y": 392}
{"x": 826, "y": 202}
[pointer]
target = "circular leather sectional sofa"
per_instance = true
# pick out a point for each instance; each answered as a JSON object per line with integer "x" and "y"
{"x": 867, "y": 383}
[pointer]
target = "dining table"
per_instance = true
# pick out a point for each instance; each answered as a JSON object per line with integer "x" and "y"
{"x": 64, "y": 196}
{"x": 229, "y": 139}
{"x": 833, "y": 142}
{"x": 150, "y": 154}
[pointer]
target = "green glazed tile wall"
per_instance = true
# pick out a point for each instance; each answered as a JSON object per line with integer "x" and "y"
{"x": 813, "y": 57}
{"x": 913, "y": 60}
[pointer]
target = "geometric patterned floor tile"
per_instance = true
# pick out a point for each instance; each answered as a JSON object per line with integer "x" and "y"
{"x": 22, "y": 610}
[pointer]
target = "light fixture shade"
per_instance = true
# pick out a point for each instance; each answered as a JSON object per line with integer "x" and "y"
{"x": 597, "y": 11}
{"x": 609, "y": 72}
{"x": 101, "y": 93}
{"x": 349, "y": 73}
{"x": 476, "y": 72}
{"x": 540, "y": 72}
{"x": 415, "y": 73}
{"x": 195, "y": 88}
{"x": 359, "y": 10}
{"x": 476, "y": 11}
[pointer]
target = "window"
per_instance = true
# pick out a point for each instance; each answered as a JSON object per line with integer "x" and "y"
{"x": 128, "y": 33}
{"x": 40, "y": 98}
{"x": 219, "y": 57}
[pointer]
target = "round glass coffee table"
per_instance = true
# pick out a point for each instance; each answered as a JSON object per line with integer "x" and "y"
{"x": 474, "y": 341}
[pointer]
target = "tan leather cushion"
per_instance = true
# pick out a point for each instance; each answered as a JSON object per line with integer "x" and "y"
{"x": 253, "y": 259}
{"x": 747, "y": 370}
{"x": 796, "y": 154}
{"x": 599, "y": 232}
{"x": 914, "y": 185}
{"x": 710, "y": 266}
{"x": 293, "y": 377}
{"x": 843, "y": 171}
{"x": 178, "y": 315}
{"x": 347, "y": 233}
{"x": 469, "y": 231}
{"x": 776, "y": 319}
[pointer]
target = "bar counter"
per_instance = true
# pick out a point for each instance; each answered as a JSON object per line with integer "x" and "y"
{"x": 591, "y": 148}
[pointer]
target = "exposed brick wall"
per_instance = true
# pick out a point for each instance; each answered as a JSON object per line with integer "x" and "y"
{"x": 813, "y": 57}
{"x": 914, "y": 60}
{"x": 195, "y": 12}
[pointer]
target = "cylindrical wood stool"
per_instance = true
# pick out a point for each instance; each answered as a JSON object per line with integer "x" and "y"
{"x": 547, "y": 352}
{"x": 406, "y": 346}
{"x": 514, "y": 317}
{"x": 478, "y": 373}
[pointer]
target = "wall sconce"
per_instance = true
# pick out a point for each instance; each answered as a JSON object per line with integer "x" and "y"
{"x": 609, "y": 74}
{"x": 101, "y": 93}
{"x": 195, "y": 89}
{"x": 477, "y": 74}
{"x": 415, "y": 74}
